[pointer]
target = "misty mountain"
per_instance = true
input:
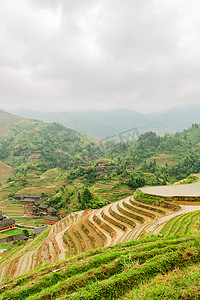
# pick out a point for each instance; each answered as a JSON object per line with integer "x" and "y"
{"x": 101, "y": 123}
{"x": 178, "y": 119}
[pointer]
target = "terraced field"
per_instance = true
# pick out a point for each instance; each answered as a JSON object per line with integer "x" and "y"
{"x": 187, "y": 224}
{"x": 113, "y": 272}
{"x": 121, "y": 221}
{"x": 5, "y": 172}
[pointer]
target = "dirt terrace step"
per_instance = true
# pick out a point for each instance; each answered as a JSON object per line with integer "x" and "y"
{"x": 119, "y": 216}
{"x": 147, "y": 206}
{"x": 134, "y": 217}
{"x": 128, "y": 205}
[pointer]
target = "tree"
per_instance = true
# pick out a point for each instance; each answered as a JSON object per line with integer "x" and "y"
{"x": 25, "y": 232}
{"x": 85, "y": 198}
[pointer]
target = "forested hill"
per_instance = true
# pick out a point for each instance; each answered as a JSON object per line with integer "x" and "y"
{"x": 35, "y": 144}
{"x": 43, "y": 145}
{"x": 176, "y": 155}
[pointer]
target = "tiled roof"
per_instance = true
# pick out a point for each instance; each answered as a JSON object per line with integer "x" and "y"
{"x": 33, "y": 208}
{"x": 52, "y": 218}
{"x": 6, "y": 222}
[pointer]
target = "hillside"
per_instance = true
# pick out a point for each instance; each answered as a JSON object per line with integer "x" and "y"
{"x": 5, "y": 172}
{"x": 34, "y": 144}
{"x": 150, "y": 268}
{"x": 38, "y": 147}
{"x": 9, "y": 123}
{"x": 125, "y": 220}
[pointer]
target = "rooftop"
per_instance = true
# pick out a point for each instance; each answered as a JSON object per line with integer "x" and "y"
{"x": 33, "y": 208}
{"x": 52, "y": 218}
{"x": 6, "y": 222}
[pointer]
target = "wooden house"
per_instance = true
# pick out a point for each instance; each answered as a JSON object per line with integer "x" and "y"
{"x": 50, "y": 220}
{"x": 39, "y": 230}
{"x": 7, "y": 224}
{"x": 28, "y": 202}
{"x": 43, "y": 208}
{"x": 34, "y": 156}
{"x": 23, "y": 196}
{"x": 30, "y": 211}
{"x": 14, "y": 238}
{"x": 52, "y": 211}
{"x": 102, "y": 163}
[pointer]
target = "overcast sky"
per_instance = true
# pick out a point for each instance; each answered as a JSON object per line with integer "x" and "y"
{"x": 61, "y": 55}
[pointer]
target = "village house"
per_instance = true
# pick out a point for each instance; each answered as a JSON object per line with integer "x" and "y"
{"x": 23, "y": 196}
{"x": 7, "y": 224}
{"x": 103, "y": 170}
{"x": 14, "y": 238}
{"x": 28, "y": 202}
{"x": 34, "y": 156}
{"x": 59, "y": 150}
{"x": 43, "y": 208}
{"x": 50, "y": 220}
{"x": 39, "y": 230}
{"x": 30, "y": 211}
{"x": 102, "y": 163}
{"x": 52, "y": 211}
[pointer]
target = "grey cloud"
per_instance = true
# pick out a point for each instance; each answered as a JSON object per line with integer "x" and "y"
{"x": 73, "y": 55}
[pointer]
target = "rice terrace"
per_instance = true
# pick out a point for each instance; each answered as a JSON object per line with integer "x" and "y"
{"x": 114, "y": 251}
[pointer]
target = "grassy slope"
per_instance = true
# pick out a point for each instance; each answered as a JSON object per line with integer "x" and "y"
{"x": 187, "y": 224}
{"x": 109, "y": 273}
{"x": 5, "y": 172}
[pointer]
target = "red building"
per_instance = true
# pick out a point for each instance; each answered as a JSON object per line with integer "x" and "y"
{"x": 50, "y": 220}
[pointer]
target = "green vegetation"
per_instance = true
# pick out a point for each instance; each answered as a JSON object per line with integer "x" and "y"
{"x": 110, "y": 272}
{"x": 187, "y": 224}
{"x": 11, "y": 232}
{"x": 73, "y": 173}
{"x": 190, "y": 179}
{"x": 152, "y": 160}
{"x": 177, "y": 284}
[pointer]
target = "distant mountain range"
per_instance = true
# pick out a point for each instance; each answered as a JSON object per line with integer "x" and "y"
{"x": 107, "y": 123}
{"x": 178, "y": 118}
